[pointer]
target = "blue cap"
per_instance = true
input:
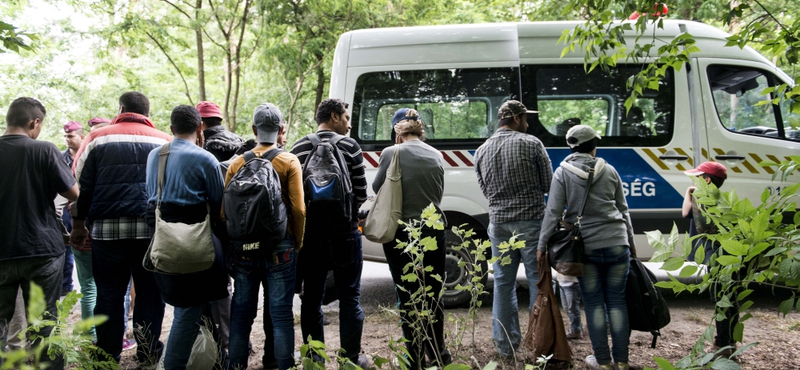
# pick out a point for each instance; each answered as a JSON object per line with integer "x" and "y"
{"x": 399, "y": 116}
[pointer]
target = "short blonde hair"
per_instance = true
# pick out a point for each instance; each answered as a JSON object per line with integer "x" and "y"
{"x": 410, "y": 126}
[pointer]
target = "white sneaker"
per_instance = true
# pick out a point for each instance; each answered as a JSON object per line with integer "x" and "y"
{"x": 591, "y": 363}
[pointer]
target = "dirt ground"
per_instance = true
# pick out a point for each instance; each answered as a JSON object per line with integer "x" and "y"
{"x": 778, "y": 337}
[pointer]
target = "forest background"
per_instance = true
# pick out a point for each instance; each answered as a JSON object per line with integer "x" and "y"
{"x": 78, "y": 56}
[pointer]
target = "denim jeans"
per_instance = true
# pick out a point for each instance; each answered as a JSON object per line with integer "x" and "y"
{"x": 277, "y": 274}
{"x": 69, "y": 265}
{"x": 83, "y": 264}
{"x": 603, "y": 287}
{"x": 505, "y": 311}
{"x": 113, "y": 264}
{"x": 46, "y": 272}
{"x": 571, "y": 300}
{"x": 185, "y": 327}
{"x": 346, "y": 265}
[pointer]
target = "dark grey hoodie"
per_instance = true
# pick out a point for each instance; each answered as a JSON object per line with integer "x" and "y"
{"x": 605, "y": 222}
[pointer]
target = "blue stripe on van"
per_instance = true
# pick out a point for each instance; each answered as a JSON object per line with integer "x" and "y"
{"x": 646, "y": 188}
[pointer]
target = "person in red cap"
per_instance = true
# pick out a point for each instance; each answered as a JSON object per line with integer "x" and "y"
{"x": 98, "y": 122}
{"x": 73, "y": 136}
{"x": 713, "y": 173}
{"x": 220, "y": 142}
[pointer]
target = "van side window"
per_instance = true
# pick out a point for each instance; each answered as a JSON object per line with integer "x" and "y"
{"x": 457, "y": 105}
{"x": 742, "y": 106}
{"x": 566, "y": 96}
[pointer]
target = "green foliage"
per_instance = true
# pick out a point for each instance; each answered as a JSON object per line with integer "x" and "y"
{"x": 759, "y": 246}
{"x": 71, "y": 342}
{"x": 14, "y": 40}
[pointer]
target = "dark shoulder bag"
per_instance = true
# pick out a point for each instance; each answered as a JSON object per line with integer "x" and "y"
{"x": 565, "y": 247}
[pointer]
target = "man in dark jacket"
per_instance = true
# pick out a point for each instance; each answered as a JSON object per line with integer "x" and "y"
{"x": 110, "y": 168}
{"x": 32, "y": 247}
{"x": 220, "y": 142}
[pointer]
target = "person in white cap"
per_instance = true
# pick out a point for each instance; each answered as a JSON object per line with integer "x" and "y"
{"x": 514, "y": 173}
{"x": 608, "y": 238}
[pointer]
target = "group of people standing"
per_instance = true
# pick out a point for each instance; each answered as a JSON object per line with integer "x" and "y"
{"x": 111, "y": 180}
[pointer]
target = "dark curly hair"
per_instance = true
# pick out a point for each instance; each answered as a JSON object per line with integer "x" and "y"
{"x": 23, "y": 110}
{"x": 184, "y": 119}
{"x": 328, "y": 107}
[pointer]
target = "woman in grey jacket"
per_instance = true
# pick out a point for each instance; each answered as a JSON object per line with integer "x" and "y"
{"x": 608, "y": 238}
{"x": 423, "y": 184}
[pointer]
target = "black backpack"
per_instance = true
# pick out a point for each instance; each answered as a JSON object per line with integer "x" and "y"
{"x": 647, "y": 308}
{"x": 327, "y": 187}
{"x": 254, "y": 211}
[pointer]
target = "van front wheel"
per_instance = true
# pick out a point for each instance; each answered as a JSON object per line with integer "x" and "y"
{"x": 456, "y": 275}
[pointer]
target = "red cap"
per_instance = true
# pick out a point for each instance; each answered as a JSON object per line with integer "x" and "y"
{"x": 72, "y": 126}
{"x": 709, "y": 168}
{"x": 97, "y": 120}
{"x": 209, "y": 109}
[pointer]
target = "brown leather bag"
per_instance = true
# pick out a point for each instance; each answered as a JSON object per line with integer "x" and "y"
{"x": 546, "y": 334}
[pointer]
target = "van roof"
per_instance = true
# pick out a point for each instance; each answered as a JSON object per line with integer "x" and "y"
{"x": 503, "y": 43}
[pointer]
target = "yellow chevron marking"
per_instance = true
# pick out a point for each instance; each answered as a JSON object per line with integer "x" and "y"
{"x": 758, "y": 160}
{"x": 655, "y": 158}
{"x": 749, "y": 166}
{"x": 681, "y": 152}
{"x": 705, "y": 153}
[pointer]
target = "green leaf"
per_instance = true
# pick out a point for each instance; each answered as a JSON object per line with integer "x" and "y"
{"x": 490, "y": 366}
{"x": 728, "y": 260}
{"x": 734, "y": 247}
{"x": 688, "y": 271}
{"x": 700, "y": 254}
{"x": 725, "y": 364}
{"x": 786, "y": 306}
{"x": 672, "y": 264}
{"x": 455, "y": 366}
{"x": 744, "y": 294}
{"x": 663, "y": 363}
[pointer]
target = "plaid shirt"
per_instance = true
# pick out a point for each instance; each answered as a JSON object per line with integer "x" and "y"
{"x": 514, "y": 173}
{"x": 120, "y": 228}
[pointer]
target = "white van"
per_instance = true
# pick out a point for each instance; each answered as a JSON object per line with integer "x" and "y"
{"x": 458, "y": 76}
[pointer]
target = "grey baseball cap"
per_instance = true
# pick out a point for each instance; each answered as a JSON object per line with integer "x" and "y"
{"x": 268, "y": 119}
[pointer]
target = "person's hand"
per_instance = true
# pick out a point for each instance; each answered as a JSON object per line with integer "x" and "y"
{"x": 690, "y": 190}
{"x": 539, "y": 255}
{"x": 78, "y": 236}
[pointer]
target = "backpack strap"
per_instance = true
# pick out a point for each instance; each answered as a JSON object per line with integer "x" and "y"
{"x": 314, "y": 139}
{"x": 272, "y": 153}
{"x": 336, "y": 138}
{"x": 248, "y": 156}
{"x": 162, "y": 168}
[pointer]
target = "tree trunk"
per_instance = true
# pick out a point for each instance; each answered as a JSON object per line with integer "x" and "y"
{"x": 198, "y": 31}
{"x": 320, "y": 83}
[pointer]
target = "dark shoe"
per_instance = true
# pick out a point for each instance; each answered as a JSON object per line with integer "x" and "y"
{"x": 575, "y": 335}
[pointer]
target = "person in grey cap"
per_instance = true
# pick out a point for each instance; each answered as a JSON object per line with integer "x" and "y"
{"x": 608, "y": 237}
{"x": 514, "y": 173}
{"x": 276, "y": 269}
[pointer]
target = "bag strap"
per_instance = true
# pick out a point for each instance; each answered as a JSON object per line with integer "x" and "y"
{"x": 314, "y": 139}
{"x": 585, "y": 196}
{"x": 162, "y": 168}
{"x": 248, "y": 156}
{"x": 272, "y": 153}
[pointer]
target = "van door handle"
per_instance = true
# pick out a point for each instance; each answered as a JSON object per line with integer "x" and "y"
{"x": 729, "y": 157}
{"x": 674, "y": 157}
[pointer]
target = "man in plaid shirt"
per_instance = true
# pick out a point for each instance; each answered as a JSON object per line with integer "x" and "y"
{"x": 110, "y": 167}
{"x": 514, "y": 173}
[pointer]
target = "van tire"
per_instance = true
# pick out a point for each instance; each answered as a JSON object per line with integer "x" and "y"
{"x": 454, "y": 275}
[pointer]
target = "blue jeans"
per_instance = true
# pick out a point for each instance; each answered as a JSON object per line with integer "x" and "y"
{"x": 346, "y": 265}
{"x": 505, "y": 312}
{"x": 69, "y": 265}
{"x": 277, "y": 274}
{"x": 571, "y": 300}
{"x": 113, "y": 264}
{"x": 603, "y": 287}
{"x": 83, "y": 263}
{"x": 185, "y": 327}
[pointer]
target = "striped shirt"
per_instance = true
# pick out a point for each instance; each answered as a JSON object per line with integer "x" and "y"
{"x": 352, "y": 155}
{"x": 514, "y": 173}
